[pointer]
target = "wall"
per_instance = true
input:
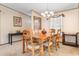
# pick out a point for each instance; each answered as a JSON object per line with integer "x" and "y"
{"x": 45, "y": 24}
{"x": 7, "y": 23}
{"x": 71, "y": 21}
{"x": 0, "y": 27}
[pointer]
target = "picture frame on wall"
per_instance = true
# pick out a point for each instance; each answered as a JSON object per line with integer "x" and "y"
{"x": 37, "y": 23}
{"x": 17, "y": 21}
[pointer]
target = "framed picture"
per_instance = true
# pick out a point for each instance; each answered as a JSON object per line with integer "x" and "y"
{"x": 17, "y": 21}
{"x": 37, "y": 23}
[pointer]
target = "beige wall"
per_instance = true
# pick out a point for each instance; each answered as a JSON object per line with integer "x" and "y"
{"x": 7, "y": 23}
{"x": 70, "y": 21}
{"x": 0, "y": 27}
{"x": 45, "y": 24}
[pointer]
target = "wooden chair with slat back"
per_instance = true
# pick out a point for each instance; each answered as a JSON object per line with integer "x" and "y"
{"x": 58, "y": 38}
{"x": 35, "y": 44}
{"x": 51, "y": 37}
{"x": 32, "y": 43}
{"x": 26, "y": 38}
{"x": 42, "y": 37}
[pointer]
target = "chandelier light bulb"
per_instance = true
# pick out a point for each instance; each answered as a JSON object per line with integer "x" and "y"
{"x": 43, "y": 14}
{"x": 52, "y": 13}
{"x": 48, "y": 15}
{"x": 46, "y": 12}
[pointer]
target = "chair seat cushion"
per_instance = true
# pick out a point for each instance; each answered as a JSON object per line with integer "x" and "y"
{"x": 36, "y": 46}
{"x": 46, "y": 43}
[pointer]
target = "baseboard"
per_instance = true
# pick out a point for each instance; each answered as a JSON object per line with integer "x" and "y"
{"x": 3, "y": 44}
{"x": 17, "y": 41}
{"x": 8, "y": 43}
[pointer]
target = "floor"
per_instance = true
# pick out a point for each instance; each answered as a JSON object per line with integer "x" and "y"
{"x": 16, "y": 50}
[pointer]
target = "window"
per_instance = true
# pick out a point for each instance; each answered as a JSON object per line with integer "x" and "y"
{"x": 56, "y": 23}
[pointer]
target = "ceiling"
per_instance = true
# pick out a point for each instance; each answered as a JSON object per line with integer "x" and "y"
{"x": 26, "y": 8}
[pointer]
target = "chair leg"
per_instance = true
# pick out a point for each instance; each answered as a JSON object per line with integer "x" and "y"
{"x": 57, "y": 45}
{"x": 41, "y": 50}
{"x": 33, "y": 50}
{"x": 26, "y": 46}
{"x": 23, "y": 46}
{"x": 50, "y": 48}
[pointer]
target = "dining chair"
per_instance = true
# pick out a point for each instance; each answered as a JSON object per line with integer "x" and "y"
{"x": 31, "y": 45}
{"x": 51, "y": 38}
{"x": 43, "y": 38}
{"x": 27, "y": 41}
{"x": 58, "y": 39}
{"x": 35, "y": 44}
{"x": 24, "y": 41}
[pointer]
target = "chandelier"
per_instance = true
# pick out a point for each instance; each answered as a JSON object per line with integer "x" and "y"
{"x": 47, "y": 14}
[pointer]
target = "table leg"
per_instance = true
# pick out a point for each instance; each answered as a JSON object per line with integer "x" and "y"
{"x": 11, "y": 40}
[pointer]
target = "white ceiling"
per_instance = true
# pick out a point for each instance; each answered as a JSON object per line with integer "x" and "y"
{"x": 40, "y": 7}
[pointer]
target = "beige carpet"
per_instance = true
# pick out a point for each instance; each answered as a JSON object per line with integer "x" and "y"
{"x": 16, "y": 50}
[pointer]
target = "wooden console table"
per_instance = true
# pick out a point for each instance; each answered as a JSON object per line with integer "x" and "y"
{"x": 70, "y": 37}
{"x": 10, "y": 37}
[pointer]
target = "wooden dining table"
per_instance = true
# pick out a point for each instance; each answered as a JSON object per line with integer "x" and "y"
{"x": 38, "y": 40}
{"x": 36, "y": 37}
